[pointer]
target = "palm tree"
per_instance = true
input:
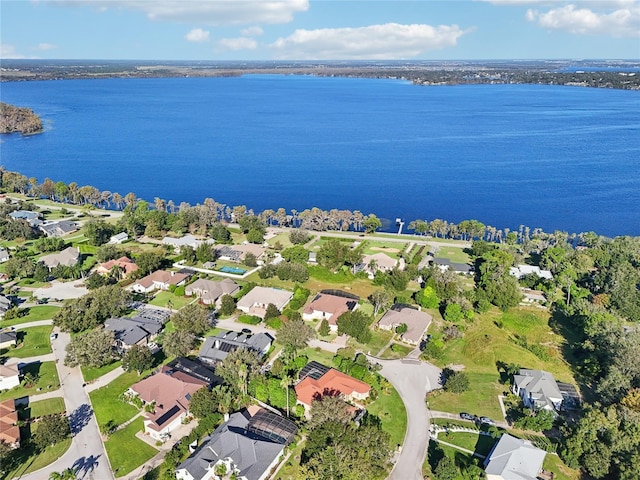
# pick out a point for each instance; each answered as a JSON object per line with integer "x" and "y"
{"x": 67, "y": 474}
{"x": 285, "y": 383}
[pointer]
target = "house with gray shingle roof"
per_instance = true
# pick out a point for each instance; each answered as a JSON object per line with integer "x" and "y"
{"x": 59, "y": 228}
{"x": 256, "y": 301}
{"x": 209, "y": 292}
{"x": 5, "y": 304}
{"x": 32, "y": 218}
{"x": 538, "y": 389}
{"x": 249, "y": 444}
{"x": 215, "y": 349}
{"x": 4, "y": 255}
{"x": 138, "y": 330}
{"x": 68, "y": 257}
{"x": 416, "y": 321}
{"x": 513, "y": 459}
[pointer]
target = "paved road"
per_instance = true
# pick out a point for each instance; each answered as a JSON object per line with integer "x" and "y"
{"x": 37, "y": 323}
{"x": 412, "y": 379}
{"x": 87, "y": 453}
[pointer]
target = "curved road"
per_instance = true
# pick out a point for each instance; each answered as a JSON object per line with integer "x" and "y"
{"x": 412, "y": 379}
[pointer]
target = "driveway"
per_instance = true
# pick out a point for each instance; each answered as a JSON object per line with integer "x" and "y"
{"x": 62, "y": 290}
{"x": 86, "y": 454}
{"x": 412, "y": 379}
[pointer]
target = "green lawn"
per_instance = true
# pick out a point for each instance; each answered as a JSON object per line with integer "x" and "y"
{"x": 162, "y": 299}
{"x": 553, "y": 464}
{"x": 48, "y": 381}
{"x": 35, "y": 341}
{"x": 283, "y": 238}
{"x": 481, "y": 399}
{"x": 317, "y": 354}
{"x": 455, "y": 254}
{"x": 43, "y": 407}
{"x": 30, "y": 461}
{"x": 481, "y": 444}
{"x": 392, "y": 249}
{"x": 106, "y": 401}
{"x": 397, "y": 351}
{"x": 125, "y": 451}
{"x": 34, "y": 314}
{"x": 91, "y": 373}
{"x": 388, "y": 407}
{"x": 379, "y": 338}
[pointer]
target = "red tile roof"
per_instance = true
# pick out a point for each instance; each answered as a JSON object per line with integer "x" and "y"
{"x": 309, "y": 389}
{"x": 9, "y": 431}
{"x": 125, "y": 263}
{"x": 330, "y": 304}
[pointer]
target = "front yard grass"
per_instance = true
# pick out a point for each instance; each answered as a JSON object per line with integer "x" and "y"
{"x": 35, "y": 341}
{"x": 125, "y": 451}
{"x": 48, "y": 381}
{"x": 33, "y": 314}
{"x": 397, "y": 350}
{"x": 31, "y": 460}
{"x": 379, "y": 339}
{"x": 91, "y": 373}
{"x": 107, "y": 403}
{"x": 168, "y": 299}
{"x": 41, "y": 408}
{"x": 388, "y": 407}
{"x": 480, "y": 444}
{"x": 455, "y": 254}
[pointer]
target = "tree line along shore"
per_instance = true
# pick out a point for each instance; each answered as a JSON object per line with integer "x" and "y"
{"x": 18, "y": 119}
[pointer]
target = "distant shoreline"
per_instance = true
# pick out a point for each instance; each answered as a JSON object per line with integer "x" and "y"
{"x": 625, "y": 76}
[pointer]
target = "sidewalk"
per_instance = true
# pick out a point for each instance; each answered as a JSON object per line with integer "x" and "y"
{"x": 104, "y": 380}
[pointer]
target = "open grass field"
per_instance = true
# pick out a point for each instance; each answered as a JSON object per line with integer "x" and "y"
{"x": 392, "y": 249}
{"x": 41, "y": 408}
{"x": 47, "y": 381}
{"x": 481, "y": 399}
{"x": 35, "y": 341}
{"x": 107, "y": 404}
{"x": 455, "y": 254}
{"x": 282, "y": 238}
{"x": 480, "y": 444}
{"x": 125, "y": 451}
{"x": 91, "y": 373}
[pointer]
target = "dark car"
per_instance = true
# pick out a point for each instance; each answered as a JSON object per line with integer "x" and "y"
{"x": 467, "y": 416}
{"x": 246, "y": 331}
{"x": 486, "y": 420}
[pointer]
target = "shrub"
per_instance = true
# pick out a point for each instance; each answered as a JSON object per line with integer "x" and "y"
{"x": 179, "y": 291}
{"x": 455, "y": 382}
{"x": 249, "y": 319}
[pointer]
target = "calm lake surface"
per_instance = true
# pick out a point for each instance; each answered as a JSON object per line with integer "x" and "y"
{"x": 564, "y": 158}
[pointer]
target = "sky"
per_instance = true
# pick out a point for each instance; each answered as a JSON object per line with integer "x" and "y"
{"x": 215, "y": 30}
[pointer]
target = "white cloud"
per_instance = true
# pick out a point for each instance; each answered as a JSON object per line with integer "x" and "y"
{"x": 252, "y": 32}
{"x": 386, "y": 41}
{"x": 197, "y": 35}
{"x": 240, "y": 43}
{"x": 46, "y": 46}
{"x": 207, "y": 12}
{"x": 9, "y": 51}
{"x": 623, "y": 22}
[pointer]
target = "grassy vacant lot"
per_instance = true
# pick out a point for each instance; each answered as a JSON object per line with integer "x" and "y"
{"x": 106, "y": 400}
{"x": 455, "y": 254}
{"x": 481, "y": 444}
{"x": 43, "y": 407}
{"x": 35, "y": 341}
{"x": 162, "y": 299}
{"x": 91, "y": 373}
{"x": 125, "y": 451}
{"x": 283, "y": 238}
{"x": 481, "y": 399}
{"x": 392, "y": 249}
{"x": 48, "y": 381}
{"x": 34, "y": 314}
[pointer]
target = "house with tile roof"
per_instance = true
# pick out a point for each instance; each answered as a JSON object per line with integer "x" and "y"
{"x": 168, "y": 393}
{"x": 159, "y": 280}
{"x": 513, "y": 459}
{"x": 125, "y": 263}
{"x": 329, "y": 307}
{"x": 416, "y": 321}
{"x": 538, "y": 389}
{"x": 249, "y": 444}
{"x": 379, "y": 262}
{"x": 210, "y": 292}
{"x": 331, "y": 382}
{"x": 256, "y": 301}
{"x": 9, "y": 430}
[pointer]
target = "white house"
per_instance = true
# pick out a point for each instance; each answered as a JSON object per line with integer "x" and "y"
{"x": 9, "y": 376}
{"x": 258, "y": 299}
{"x": 512, "y": 458}
{"x": 520, "y": 271}
{"x": 538, "y": 389}
{"x": 119, "y": 238}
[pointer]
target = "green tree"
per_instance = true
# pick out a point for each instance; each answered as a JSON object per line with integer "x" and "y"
{"x": 220, "y": 233}
{"x": 371, "y": 223}
{"x": 238, "y": 367}
{"x": 203, "y": 403}
{"x": 178, "y": 343}
{"x": 67, "y": 474}
{"x": 429, "y": 298}
{"x": 92, "y": 309}
{"x": 255, "y": 236}
{"x": 192, "y": 318}
{"x": 137, "y": 359}
{"x": 271, "y": 312}
{"x": 446, "y": 469}
{"x": 52, "y": 429}
{"x": 380, "y": 299}
{"x": 295, "y": 335}
{"x": 227, "y": 305}
{"x": 250, "y": 260}
{"x": 299, "y": 237}
{"x": 455, "y": 382}
{"x": 324, "y": 328}
{"x": 93, "y": 348}
{"x": 355, "y": 324}
{"x": 148, "y": 262}
{"x": 297, "y": 254}
{"x": 98, "y": 232}
{"x": 453, "y": 313}
{"x": 204, "y": 253}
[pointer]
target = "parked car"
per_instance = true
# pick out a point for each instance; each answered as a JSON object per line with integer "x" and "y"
{"x": 53, "y": 336}
{"x": 246, "y": 331}
{"x": 467, "y": 416}
{"x": 486, "y": 420}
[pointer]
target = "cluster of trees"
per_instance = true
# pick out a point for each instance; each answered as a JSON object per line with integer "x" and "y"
{"x": 92, "y": 309}
{"x": 18, "y": 119}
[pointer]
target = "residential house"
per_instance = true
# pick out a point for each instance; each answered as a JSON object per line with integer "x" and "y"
{"x": 32, "y": 218}
{"x": 4, "y": 255}
{"x": 215, "y": 349}
{"x": 8, "y": 339}
{"x": 237, "y": 253}
{"x": 185, "y": 241}
{"x": 9, "y": 376}
{"x": 186, "y": 370}
{"x": 378, "y": 262}
{"x": 249, "y": 444}
{"x": 533, "y": 296}
{"x": 256, "y": 301}
{"x": 329, "y": 306}
{"x": 167, "y": 395}
{"x": 318, "y": 382}
{"x": 416, "y": 321}
{"x": 68, "y": 257}
{"x": 9, "y": 430}
{"x": 59, "y": 228}
{"x": 445, "y": 264}
{"x": 119, "y": 238}
{"x": 512, "y": 458}
{"x": 520, "y": 271}
{"x": 140, "y": 329}
{"x": 209, "y": 292}
{"x": 538, "y": 389}
{"x": 125, "y": 263}
{"x": 5, "y": 304}
{"x": 159, "y": 280}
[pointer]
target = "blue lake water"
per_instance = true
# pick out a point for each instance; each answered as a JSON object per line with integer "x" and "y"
{"x": 553, "y": 157}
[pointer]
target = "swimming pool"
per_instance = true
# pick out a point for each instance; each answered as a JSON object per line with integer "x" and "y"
{"x": 235, "y": 270}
